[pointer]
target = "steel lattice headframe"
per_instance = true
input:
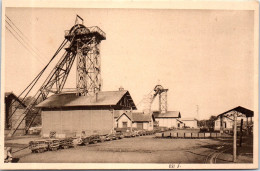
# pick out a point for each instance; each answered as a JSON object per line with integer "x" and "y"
{"x": 84, "y": 45}
{"x": 87, "y": 51}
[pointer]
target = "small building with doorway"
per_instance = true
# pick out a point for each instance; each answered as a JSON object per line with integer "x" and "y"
{"x": 67, "y": 114}
{"x": 14, "y": 108}
{"x": 169, "y": 119}
{"x": 243, "y": 116}
{"x": 129, "y": 120}
{"x": 190, "y": 122}
{"x": 227, "y": 124}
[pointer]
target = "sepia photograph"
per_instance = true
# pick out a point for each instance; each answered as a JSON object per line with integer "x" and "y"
{"x": 129, "y": 85}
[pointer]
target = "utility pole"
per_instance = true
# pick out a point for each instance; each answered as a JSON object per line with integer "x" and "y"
{"x": 197, "y": 109}
{"x": 235, "y": 138}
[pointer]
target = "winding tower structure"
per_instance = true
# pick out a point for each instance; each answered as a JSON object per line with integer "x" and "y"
{"x": 85, "y": 44}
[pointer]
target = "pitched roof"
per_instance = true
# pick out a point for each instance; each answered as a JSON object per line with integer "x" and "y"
{"x": 168, "y": 114}
{"x": 189, "y": 119}
{"x": 141, "y": 117}
{"x": 8, "y": 94}
{"x": 11, "y": 94}
{"x": 137, "y": 117}
{"x": 104, "y": 98}
{"x": 242, "y": 110}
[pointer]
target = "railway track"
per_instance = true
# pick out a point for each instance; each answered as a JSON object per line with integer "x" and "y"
{"x": 213, "y": 156}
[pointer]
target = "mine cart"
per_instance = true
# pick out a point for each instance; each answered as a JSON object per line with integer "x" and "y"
{"x": 136, "y": 133}
{"x": 93, "y": 139}
{"x": 127, "y": 134}
{"x": 119, "y": 135}
{"x": 38, "y": 146}
{"x": 114, "y": 137}
{"x": 66, "y": 143}
{"x": 102, "y": 138}
{"x": 133, "y": 133}
{"x": 77, "y": 141}
{"x": 141, "y": 132}
{"x": 53, "y": 144}
{"x": 149, "y": 132}
{"x": 110, "y": 137}
{"x": 145, "y": 132}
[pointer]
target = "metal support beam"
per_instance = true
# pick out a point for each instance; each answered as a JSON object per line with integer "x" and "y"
{"x": 163, "y": 101}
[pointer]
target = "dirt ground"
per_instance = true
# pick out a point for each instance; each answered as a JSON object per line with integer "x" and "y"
{"x": 129, "y": 150}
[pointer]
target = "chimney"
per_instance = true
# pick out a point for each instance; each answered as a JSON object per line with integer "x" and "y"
{"x": 121, "y": 88}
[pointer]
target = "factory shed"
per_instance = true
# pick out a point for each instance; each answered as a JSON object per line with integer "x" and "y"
{"x": 142, "y": 121}
{"x": 169, "y": 119}
{"x": 67, "y": 114}
{"x": 129, "y": 120}
{"x": 190, "y": 122}
{"x": 225, "y": 121}
{"x": 13, "y": 103}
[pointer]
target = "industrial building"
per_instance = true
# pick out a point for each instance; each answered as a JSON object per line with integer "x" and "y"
{"x": 225, "y": 121}
{"x": 169, "y": 119}
{"x": 190, "y": 122}
{"x": 87, "y": 108}
{"x": 67, "y": 114}
{"x": 135, "y": 120}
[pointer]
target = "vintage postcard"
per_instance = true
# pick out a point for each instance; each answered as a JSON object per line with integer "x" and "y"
{"x": 129, "y": 84}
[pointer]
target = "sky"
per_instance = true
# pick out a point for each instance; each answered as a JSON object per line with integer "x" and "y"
{"x": 204, "y": 57}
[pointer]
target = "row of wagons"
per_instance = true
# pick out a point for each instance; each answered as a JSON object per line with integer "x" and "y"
{"x": 137, "y": 133}
{"x": 191, "y": 135}
{"x": 53, "y": 144}
{"x": 42, "y": 145}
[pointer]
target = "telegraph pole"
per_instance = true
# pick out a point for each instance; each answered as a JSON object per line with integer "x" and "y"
{"x": 197, "y": 109}
{"x": 235, "y": 138}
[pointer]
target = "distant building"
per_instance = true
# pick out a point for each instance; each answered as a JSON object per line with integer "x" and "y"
{"x": 67, "y": 114}
{"x": 227, "y": 124}
{"x": 226, "y": 119}
{"x": 14, "y": 109}
{"x": 170, "y": 119}
{"x": 190, "y": 122}
{"x": 139, "y": 121}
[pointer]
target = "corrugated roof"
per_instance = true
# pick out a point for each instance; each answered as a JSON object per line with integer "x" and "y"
{"x": 104, "y": 98}
{"x": 168, "y": 114}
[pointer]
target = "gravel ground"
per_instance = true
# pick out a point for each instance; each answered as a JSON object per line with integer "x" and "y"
{"x": 129, "y": 150}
